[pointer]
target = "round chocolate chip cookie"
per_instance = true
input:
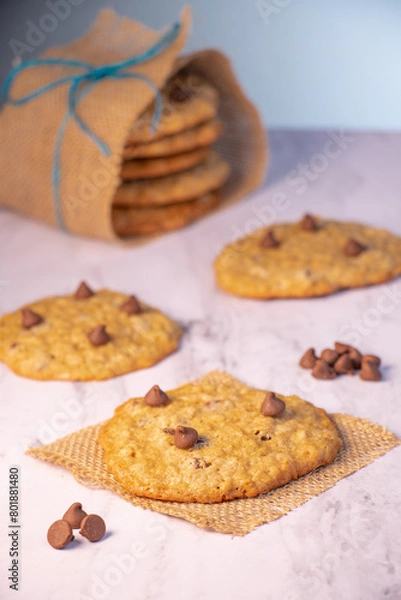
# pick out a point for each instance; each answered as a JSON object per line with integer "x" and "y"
{"x": 147, "y": 221}
{"x": 215, "y": 439}
{"x": 157, "y": 167}
{"x": 178, "y": 187}
{"x": 190, "y": 139}
{"x": 188, "y": 100}
{"x": 314, "y": 257}
{"x": 85, "y": 336}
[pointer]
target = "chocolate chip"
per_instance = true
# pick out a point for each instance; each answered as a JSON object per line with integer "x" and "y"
{"x": 330, "y": 356}
{"x": 353, "y": 248}
{"x": 185, "y": 437}
{"x": 180, "y": 93}
{"x": 308, "y": 223}
{"x": 372, "y": 359}
{"x": 99, "y": 336}
{"x": 74, "y": 515}
{"x": 344, "y": 365}
{"x": 156, "y": 397}
{"x": 342, "y": 348}
{"x": 269, "y": 241}
{"x": 93, "y": 528}
{"x": 131, "y": 306}
{"x": 308, "y": 359}
{"x": 30, "y": 318}
{"x": 272, "y": 406}
{"x": 83, "y": 291}
{"x": 322, "y": 370}
{"x": 59, "y": 534}
{"x": 370, "y": 371}
{"x": 355, "y": 356}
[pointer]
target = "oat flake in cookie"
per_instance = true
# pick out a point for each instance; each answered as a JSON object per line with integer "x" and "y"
{"x": 86, "y": 336}
{"x": 313, "y": 257}
{"x": 211, "y": 441}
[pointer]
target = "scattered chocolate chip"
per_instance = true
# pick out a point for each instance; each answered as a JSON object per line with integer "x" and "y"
{"x": 353, "y": 248}
{"x": 30, "y": 318}
{"x": 156, "y": 397}
{"x": 355, "y": 356}
{"x": 93, "y": 528}
{"x": 322, "y": 370}
{"x": 83, "y": 291}
{"x": 269, "y": 241}
{"x": 131, "y": 306}
{"x": 74, "y": 515}
{"x": 99, "y": 336}
{"x": 308, "y": 360}
{"x": 342, "y": 348}
{"x": 59, "y": 534}
{"x": 344, "y": 365}
{"x": 372, "y": 359}
{"x": 272, "y": 406}
{"x": 330, "y": 356}
{"x": 308, "y": 223}
{"x": 265, "y": 438}
{"x": 185, "y": 437}
{"x": 180, "y": 93}
{"x": 370, "y": 371}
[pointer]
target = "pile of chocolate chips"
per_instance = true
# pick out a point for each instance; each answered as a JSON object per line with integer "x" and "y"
{"x": 92, "y": 527}
{"x": 343, "y": 359}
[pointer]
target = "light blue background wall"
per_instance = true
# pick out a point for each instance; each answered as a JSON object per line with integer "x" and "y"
{"x": 305, "y": 63}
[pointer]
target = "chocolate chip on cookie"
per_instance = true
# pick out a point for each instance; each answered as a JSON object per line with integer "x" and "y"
{"x": 30, "y": 318}
{"x": 99, "y": 336}
{"x": 322, "y": 370}
{"x": 353, "y": 248}
{"x": 59, "y": 534}
{"x": 269, "y": 241}
{"x": 308, "y": 223}
{"x": 131, "y": 306}
{"x": 272, "y": 406}
{"x": 93, "y": 528}
{"x": 185, "y": 437}
{"x": 372, "y": 359}
{"x": 370, "y": 371}
{"x": 329, "y": 355}
{"x": 180, "y": 93}
{"x": 83, "y": 292}
{"x": 344, "y": 365}
{"x": 156, "y": 397}
{"x": 309, "y": 359}
{"x": 74, "y": 515}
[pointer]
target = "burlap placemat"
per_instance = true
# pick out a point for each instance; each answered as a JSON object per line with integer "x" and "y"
{"x": 363, "y": 442}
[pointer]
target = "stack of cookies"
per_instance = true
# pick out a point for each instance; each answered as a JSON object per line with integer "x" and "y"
{"x": 172, "y": 176}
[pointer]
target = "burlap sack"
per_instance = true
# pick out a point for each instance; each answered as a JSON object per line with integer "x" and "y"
{"x": 363, "y": 442}
{"x": 88, "y": 179}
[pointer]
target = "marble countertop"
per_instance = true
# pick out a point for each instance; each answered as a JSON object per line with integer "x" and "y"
{"x": 343, "y": 544}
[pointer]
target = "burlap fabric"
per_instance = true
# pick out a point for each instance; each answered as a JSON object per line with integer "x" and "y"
{"x": 88, "y": 179}
{"x": 363, "y": 442}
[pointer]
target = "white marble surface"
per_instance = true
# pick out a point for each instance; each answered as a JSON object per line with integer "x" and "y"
{"x": 344, "y": 544}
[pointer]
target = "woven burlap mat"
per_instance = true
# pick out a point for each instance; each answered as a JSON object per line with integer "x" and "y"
{"x": 363, "y": 442}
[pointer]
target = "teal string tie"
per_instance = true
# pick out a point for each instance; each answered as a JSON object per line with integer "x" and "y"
{"x": 80, "y": 86}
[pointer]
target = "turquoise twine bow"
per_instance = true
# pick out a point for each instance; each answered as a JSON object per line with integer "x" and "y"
{"x": 91, "y": 76}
